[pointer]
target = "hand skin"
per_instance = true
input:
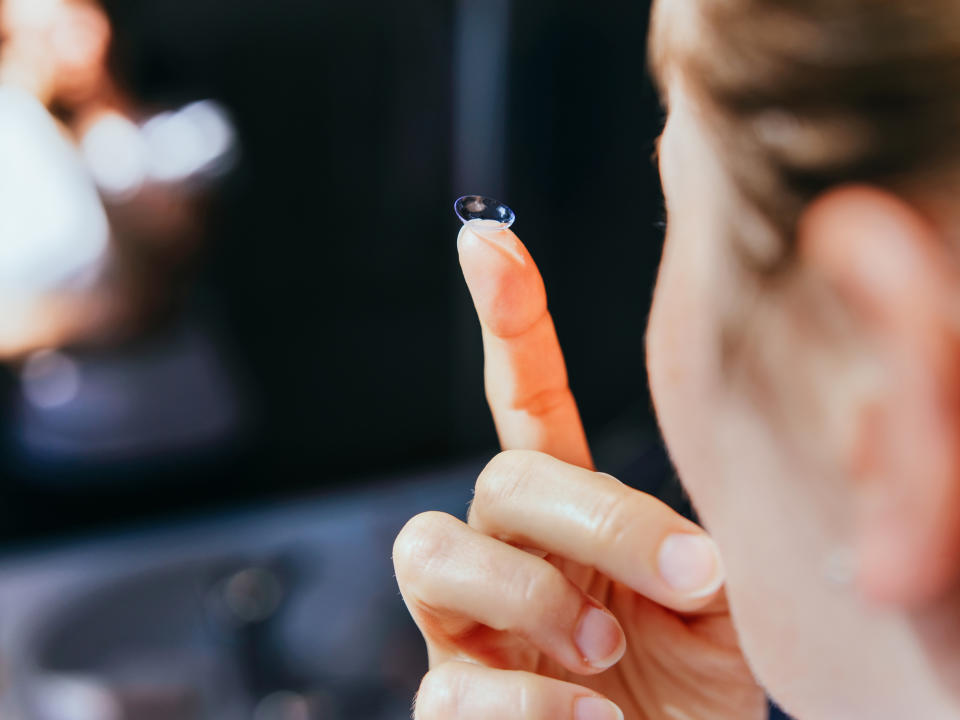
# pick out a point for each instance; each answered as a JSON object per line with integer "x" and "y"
{"x": 565, "y": 589}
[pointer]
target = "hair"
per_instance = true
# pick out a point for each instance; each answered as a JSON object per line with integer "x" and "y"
{"x": 804, "y": 95}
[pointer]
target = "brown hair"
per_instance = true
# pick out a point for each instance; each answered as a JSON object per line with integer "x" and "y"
{"x": 804, "y": 95}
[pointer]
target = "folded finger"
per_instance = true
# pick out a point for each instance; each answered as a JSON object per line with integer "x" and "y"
{"x": 524, "y": 371}
{"x": 465, "y": 691}
{"x": 454, "y": 578}
{"x": 533, "y": 500}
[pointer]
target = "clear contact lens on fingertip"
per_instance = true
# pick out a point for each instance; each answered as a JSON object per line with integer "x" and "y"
{"x": 478, "y": 208}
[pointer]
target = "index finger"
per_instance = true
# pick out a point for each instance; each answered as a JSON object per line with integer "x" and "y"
{"x": 524, "y": 371}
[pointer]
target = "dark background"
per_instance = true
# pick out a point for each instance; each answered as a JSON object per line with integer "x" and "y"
{"x": 330, "y": 279}
{"x": 330, "y": 268}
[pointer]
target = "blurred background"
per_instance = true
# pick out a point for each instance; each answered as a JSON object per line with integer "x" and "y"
{"x": 237, "y": 352}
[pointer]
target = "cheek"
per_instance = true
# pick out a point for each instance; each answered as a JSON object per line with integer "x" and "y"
{"x": 757, "y": 503}
{"x": 682, "y": 361}
{"x": 696, "y": 426}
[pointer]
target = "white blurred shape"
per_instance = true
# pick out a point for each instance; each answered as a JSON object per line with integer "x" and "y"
{"x": 116, "y": 155}
{"x": 29, "y": 13}
{"x": 282, "y": 705}
{"x": 216, "y": 127}
{"x": 49, "y": 379}
{"x": 76, "y": 698}
{"x": 194, "y": 139}
{"x": 52, "y": 223}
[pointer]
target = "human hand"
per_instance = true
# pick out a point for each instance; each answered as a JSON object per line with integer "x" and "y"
{"x": 565, "y": 588}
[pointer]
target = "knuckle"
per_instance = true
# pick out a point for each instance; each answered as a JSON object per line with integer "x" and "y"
{"x": 502, "y": 479}
{"x": 612, "y": 518}
{"x": 439, "y": 695}
{"x": 547, "y": 591}
{"x": 530, "y": 702}
{"x": 423, "y": 539}
{"x": 610, "y": 480}
{"x": 537, "y": 585}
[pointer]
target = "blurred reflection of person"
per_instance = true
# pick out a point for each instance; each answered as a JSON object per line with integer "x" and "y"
{"x": 53, "y": 226}
{"x": 100, "y": 214}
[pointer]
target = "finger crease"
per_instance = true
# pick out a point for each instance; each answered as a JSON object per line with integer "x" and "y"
{"x": 520, "y": 333}
{"x": 545, "y": 401}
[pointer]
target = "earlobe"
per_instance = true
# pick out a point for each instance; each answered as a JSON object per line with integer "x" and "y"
{"x": 894, "y": 275}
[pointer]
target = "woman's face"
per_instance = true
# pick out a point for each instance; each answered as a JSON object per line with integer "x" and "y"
{"x": 64, "y": 42}
{"x": 775, "y": 502}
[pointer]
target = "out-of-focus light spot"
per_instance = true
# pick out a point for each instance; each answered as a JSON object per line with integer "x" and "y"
{"x": 214, "y": 124}
{"x": 49, "y": 379}
{"x": 194, "y": 139}
{"x": 282, "y": 705}
{"x": 253, "y": 594}
{"x": 116, "y": 155}
{"x": 76, "y": 698}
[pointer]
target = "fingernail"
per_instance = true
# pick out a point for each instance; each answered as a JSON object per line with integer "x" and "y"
{"x": 591, "y": 708}
{"x": 690, "y": 564}
{"x": 599, "y": 638}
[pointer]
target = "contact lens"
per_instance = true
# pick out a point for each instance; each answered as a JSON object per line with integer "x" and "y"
{"x": 477, "y": 208}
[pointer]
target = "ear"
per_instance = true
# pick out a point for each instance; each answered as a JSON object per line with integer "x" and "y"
{"x": 898, "y": 279}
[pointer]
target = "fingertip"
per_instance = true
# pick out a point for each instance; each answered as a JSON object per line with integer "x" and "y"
{"x": 504, "y": 240}
{"x": 596, "y": 708}
{"x": 503, "y": 280}
{"x": 691, "y": 566}
{"x": 599, "y": 638}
